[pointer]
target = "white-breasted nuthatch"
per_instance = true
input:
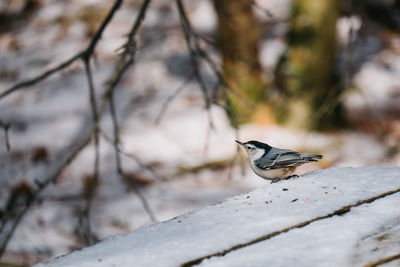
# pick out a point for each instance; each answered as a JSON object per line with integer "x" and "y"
{"x": 274, "y": 163}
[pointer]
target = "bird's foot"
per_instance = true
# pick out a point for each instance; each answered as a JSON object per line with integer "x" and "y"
{"x": 275, "y": 180}
{"x": 292, "y": 176}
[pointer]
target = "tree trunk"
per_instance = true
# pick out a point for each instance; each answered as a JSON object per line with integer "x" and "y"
{"x": 238, "y": 40}
{"x": 306, "y": 72}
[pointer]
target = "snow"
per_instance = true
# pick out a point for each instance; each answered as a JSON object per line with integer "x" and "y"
{"x": 332, "y": 241}
{"x": 339, "y": 241}
{"x": 50, "y": 114}
{"x": 203, "y": 16}
{"x": 270, "y": 52}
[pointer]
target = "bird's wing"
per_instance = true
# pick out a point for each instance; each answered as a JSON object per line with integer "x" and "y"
{"x": 279, "y": 158}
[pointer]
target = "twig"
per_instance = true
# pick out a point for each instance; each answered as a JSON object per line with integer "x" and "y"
{"x": 116, "y": 135}
{"x": 83, "y": 137}
{"x": 266, "y": 11}
{"x": 89, "y": 190}
{"x": 85, "y": 53}
{"x": 118, "y": 163}
{"x": 137, "y": 160}
{"x": 84, "y": 221}
{"x": 207, "y": 39}
{"x": 20, "y": 196}
{"x": 95, "y": 114}
{"x": 106, "y": 21}
{"x": 87, "y": 233}
{"x": 222, "y": 82}
{"x": 272, "y": 19}
{"x": 131, "y": 46}
{"x": 193, "y": 50}
{"x": 138, "y": 22}
{"x": 144, "y": 203}
{"x": 172, "y": 97}
{"x": 143, "y": 165}
{"x": 126, "y": 59}
{"x": 30, "y": 82}
{"x": 383, "y": 260}
{"x": 85, "y": 229}
{"x": 120, "y": 170}
{"x": 6, "y": 127}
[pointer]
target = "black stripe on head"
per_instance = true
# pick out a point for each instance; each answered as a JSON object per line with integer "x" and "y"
{"x": 266, "y": 147}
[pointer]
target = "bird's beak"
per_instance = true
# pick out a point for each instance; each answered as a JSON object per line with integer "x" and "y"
{"x": 240, "y": 143}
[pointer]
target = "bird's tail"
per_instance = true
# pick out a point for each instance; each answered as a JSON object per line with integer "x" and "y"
{"x": 312, "y": 157}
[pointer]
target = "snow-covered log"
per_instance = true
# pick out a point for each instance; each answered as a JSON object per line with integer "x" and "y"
{"x": 332, "y": 217}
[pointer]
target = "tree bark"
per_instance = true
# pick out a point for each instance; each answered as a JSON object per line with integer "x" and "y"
{"x": 305, "y": 74}
{"x": 238, "y": 40}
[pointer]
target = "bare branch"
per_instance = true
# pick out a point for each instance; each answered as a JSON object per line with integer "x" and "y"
{"x": 135, "y": 158}
{"x": 116, "y": 135}
{"x": 383, "y": 260}
{"x": 83, "y": 137}
{"x": 106, "y": 21}
{"x": 271, "y": 18}
{"x": 87, "y": 53}
{"x": 118, "y": 151}
{"x": 84, "y": 220}
{"x": 95, "y": 116}
{"x": 263, "y": 9}
{"x": 6, "y": 127}
{"x": 172, "y": 97}
{"x": 145, "y": 203}
{"x": 20, "y": 197}
{"x": 90, "y": 187}
{"x": 30, "y": 82}
{"x": 120, "y": 171}
{"x": 194, "y": 50}
{"x": 192, "y": 41}
{"x": 125, "y": 60}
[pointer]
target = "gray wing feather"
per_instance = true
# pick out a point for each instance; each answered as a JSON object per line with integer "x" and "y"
{"x": 279, "y": 158}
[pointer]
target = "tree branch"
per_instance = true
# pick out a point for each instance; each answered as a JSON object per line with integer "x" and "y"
{"x": 6, "y": 127}
{"x": 135, "y": 158}
{"x": 192, "y": 41}
{"x": 9, "y": 222}
{"x": 171, "y": 97}
{"x": 87, "y": 53}
{"x": 116, "y": 135}
{"x": 95, "y": 115}
{"x": 194, "y": 50}
{"x": 93, "y": 181}
{"x": 30, "y": 82}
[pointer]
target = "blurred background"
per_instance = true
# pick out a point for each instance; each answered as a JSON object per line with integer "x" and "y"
{"x": 312, "y": 76}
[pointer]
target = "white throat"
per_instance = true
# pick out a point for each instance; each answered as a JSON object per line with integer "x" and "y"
{"x": 255, "y": 154}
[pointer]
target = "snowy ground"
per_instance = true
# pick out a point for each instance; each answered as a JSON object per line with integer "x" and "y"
{"x": 365, "y": 233}
{"x": 48, "y": 115}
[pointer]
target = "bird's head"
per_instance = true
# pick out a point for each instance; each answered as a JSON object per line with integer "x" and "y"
{"x": 255, "y": 149}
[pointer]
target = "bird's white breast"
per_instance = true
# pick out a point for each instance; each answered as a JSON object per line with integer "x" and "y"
{"x": 271, "y": 173}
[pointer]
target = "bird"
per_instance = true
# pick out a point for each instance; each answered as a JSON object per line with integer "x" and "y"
{"x": 273, "y": 163}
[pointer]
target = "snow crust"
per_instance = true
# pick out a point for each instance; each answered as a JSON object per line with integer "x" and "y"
{"x": 334, "y": 241}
